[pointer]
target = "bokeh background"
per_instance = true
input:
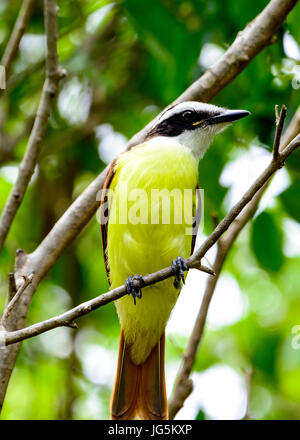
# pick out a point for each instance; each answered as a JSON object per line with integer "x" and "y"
{"x": 126, "y": 61}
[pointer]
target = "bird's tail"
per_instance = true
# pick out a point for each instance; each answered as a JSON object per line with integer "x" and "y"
{"x": 140, "y": 390}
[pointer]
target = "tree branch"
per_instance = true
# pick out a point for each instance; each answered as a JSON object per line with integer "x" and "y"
{"x": 183, "y": 386}
{"x": 17, "y": 316}
{"x": 279, "y": 126}
{"x": 258, "y": 34}
{"x": 14, "y": 299}
{"x": 194, "y": 261}
{"x": 10, "y": 52}
{"x": 53, "y": 74}
{"x": 12, "y": 288}
{"x": 84, "y": 207}
{"x": 16, "y": 35}
{"x": 292, "y": 130}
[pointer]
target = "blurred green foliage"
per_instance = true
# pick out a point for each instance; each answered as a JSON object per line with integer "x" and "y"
{"x": 126, "y": 60}
{"x": 267, "y": 239}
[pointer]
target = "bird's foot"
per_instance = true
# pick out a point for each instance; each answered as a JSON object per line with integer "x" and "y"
{"x": 178, "y": 268}
{"x": 135, "y": 292}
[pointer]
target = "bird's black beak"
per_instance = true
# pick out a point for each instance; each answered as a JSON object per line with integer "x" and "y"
{"x": 228, "y": 116}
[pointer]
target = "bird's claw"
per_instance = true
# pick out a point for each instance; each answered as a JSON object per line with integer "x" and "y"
{"x": 135, "y": 292}
{"x": 178, "y": 268}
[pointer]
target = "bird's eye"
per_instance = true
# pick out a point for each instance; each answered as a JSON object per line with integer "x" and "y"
{"x": 187, "y": 115}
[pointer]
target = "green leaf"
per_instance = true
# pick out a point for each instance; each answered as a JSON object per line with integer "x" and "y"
{"x": 264, "y": 355}
{"x": 290, "y": 200}
{"x": 201, "y": 415}
{"x": 292, "y": 23}
{"x": 172, "y": 48}
{"x": 266, "y": 241}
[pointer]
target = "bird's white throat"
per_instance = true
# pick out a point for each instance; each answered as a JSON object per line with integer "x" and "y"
{"x": 198, "y": 141}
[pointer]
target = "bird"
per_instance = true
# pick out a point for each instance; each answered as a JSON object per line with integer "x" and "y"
{"x": 166, "y": 160}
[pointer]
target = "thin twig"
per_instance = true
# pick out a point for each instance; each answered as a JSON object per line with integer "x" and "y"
{"x": 18, "y": 316}
{"x": 279, "y": 127}
{"x": 53, "y": 74}
{"x": 12, "y": 288}
{"x": 274, "y": 165}
{"x": 84, "y": 207}
{"x": 182, "y": 388}
{"x": 16, "y": 35}
{"x": 260, "y": 33}
{"x": 12, "y": 302}
{"x": 183, "y": 385}
{"x": 198, "y": 265}
{"x": 292, "y": 130}
{"x": 276, "y": 114}
{"x": 119, "y": 292}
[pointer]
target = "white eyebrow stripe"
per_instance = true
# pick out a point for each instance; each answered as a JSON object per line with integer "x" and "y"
{"x": 188, "y": 105}
{"x": 174, "y": 111}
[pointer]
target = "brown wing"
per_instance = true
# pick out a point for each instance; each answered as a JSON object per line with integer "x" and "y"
{"x": 104, "y": 214}
{"x": 197, "y": 219}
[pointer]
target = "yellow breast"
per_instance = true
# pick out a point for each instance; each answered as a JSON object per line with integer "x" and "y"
{"x": 153, "y": 200}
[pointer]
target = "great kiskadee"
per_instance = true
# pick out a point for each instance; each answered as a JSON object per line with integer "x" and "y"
{"x": 166, "y": 160}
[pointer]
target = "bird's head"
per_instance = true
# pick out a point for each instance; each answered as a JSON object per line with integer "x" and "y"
{"x": 194, "y": 124}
